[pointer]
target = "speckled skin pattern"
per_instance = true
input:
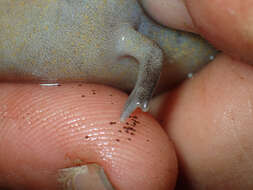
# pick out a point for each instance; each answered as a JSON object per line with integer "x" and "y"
{"x": 103, "y": 41}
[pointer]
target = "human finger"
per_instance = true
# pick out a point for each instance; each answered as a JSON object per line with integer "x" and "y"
{"x": 226, "y": 24}
{"x": 209, "y": 118}
{"x": 46, "y": 129}
{"x": 171, "y": 13}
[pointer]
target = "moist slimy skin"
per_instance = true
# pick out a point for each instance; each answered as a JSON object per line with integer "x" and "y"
{"x": 111, "y": 42}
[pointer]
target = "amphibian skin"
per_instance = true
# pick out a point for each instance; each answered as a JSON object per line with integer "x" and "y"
{"x": 104, "y": 41}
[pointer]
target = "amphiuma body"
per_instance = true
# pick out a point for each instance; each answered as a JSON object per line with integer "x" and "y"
{"x": 104, "y": 41}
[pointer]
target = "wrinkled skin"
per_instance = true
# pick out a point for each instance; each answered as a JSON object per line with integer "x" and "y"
{"x": 96, "y": 41}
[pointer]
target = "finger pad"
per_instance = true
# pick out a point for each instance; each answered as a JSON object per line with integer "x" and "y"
{"x": 210, "y": 123}
{"x": 48, "y": 128}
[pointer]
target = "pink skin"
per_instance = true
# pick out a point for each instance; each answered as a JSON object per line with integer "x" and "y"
{"x": 174, "y": 13}
{"x": 210, "y": 121}
{"x": 227, "y": 24}
{"x": 47, "y": 128}
{"x": 208, "y": 118}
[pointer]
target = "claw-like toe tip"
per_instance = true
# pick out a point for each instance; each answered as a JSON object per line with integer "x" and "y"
{"x": 130, "y": 108}
{"x": 123, "y": 116}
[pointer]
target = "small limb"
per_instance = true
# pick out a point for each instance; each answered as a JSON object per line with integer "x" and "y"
{"x": 150, "y": 57}
{"x": 132, "y": 103}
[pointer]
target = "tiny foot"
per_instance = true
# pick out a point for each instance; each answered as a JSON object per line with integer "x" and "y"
{"x": 134, "y": 101}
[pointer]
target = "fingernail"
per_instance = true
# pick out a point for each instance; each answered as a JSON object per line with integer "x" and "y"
{"x": 87, "y": 177}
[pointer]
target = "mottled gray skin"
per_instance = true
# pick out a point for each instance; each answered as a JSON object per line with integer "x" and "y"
{"x": 103, "y": 41}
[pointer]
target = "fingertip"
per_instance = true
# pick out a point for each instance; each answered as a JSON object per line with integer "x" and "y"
{"x": 209, "y": 118}
{"x": 51, "y": 128}
{"x": 171, "y": 13}
{"x": 226, "y": 24}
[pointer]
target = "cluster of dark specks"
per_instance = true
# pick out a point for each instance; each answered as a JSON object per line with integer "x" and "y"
{"x": 129, "y": 128}
{"x": 94, "y": 92}
{"x": 111, "y": 100}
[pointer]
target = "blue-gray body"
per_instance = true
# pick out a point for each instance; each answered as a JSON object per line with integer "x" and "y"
{"x": 102, "y": 41}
